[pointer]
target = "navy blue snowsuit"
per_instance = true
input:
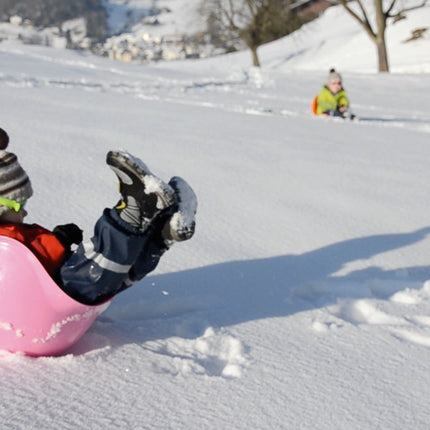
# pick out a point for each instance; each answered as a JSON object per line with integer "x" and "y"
{"x": 116, "y": 257}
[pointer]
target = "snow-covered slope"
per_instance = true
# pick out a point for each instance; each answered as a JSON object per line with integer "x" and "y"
{"x": 336, "y": 39}
{"x": 303, "y": 300}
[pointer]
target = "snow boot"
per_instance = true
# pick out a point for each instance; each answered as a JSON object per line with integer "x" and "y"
{"x": 181, "y": 224}
{"x": 143, "y": 195}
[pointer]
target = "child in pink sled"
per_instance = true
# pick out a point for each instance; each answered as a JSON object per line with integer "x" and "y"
{"x": 129, "y": 239}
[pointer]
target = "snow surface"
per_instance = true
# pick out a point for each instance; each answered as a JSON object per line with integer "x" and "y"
{"x": 303, "y": 301}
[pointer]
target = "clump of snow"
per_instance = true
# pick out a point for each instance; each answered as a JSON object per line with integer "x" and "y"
{"x": 212, "y": 354}
{"x": 5, "y": 326}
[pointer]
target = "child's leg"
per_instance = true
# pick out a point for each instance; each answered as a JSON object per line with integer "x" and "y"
{"x": 174, "y": 224}
{"x": 181, "y": 223}
{"x": 144, "y": 195}
{"x": 102, "y": 266}
{"x": 129, "y": 240}
{"x": 97, "y": 270}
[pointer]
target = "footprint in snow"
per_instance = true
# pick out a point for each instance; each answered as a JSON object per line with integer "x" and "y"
{"x": 212, "y": 354}
{"x": 405, "y": 313}
{"x": 418, "y": 329}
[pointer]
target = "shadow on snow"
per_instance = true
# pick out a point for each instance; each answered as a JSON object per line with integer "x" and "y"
{"x": 239, "y": 291}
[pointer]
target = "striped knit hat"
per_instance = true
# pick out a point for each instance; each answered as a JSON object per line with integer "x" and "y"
{"x": 14, "y": 182}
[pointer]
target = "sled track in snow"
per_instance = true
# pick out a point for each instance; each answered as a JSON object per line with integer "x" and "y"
{"x": 237, "y": 94}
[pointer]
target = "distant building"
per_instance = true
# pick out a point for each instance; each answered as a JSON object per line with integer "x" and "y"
{"x": 15, "y": 20}
{"x": 313, "y": 7}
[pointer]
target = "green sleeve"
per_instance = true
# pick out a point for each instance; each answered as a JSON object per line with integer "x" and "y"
{"x": 342, "y": 99}
{"x": 326, "y": 101}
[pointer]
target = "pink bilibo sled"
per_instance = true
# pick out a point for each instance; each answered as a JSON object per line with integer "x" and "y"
{"x": 36, "y": 316}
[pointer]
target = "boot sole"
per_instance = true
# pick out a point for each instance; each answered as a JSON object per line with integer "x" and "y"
{"x": 128, "y": 164}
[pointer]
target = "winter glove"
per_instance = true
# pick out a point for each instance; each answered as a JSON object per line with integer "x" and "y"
{"x": 68, "y": 234}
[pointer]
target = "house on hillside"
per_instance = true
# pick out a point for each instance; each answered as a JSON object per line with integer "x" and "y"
{"x": 311, "y": 7}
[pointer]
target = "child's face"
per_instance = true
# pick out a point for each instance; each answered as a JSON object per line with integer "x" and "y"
{"x": 334, "y": 86}
{"x": 13, "y": 217}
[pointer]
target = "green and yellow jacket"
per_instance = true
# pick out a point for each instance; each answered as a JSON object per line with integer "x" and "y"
{"x": 327, "y": 101}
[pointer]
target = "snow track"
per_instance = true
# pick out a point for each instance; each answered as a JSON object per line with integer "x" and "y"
{"x": 246, "y": 95}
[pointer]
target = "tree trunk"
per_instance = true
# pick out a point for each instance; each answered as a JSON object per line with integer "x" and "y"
{"x": 382, "y": 54}
{"x": 381, "y": 46}
{"x": 255, "y": 60}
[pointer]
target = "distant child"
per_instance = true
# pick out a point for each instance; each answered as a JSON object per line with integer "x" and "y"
{"x": 128, "y": 240}
{"x": 332, "y": 99}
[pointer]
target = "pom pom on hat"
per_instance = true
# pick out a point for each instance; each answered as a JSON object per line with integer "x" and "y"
{"x": 14, "y": 182}
{"x": 4, "y": 139}
{"x": 333, "y": 76}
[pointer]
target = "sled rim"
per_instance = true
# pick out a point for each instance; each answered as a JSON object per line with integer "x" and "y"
{"x": 314, "y": 105}
{"x": 37, "y": 317}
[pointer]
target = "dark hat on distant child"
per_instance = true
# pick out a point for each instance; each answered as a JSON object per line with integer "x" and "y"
{"x": 14, "y": 182}
{"x": 333, "y": 76}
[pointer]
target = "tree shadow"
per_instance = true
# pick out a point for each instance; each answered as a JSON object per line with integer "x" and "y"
{"x": 231, "y": 293}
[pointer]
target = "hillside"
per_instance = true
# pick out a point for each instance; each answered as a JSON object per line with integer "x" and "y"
{"x": 150, "y": 31}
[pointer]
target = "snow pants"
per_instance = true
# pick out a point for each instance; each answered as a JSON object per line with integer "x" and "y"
{"x": 336, "y": 113}
{"x": 115, "y": 258}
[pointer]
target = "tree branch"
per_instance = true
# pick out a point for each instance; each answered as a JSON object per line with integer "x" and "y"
{"x": 364, "y": 22}
{"x": 406, "y": 9}
{"x": 390, "y": 8}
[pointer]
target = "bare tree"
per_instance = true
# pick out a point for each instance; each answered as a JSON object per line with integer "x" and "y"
{"x": 377, "y": 32}
{"x": 255, "y": 22}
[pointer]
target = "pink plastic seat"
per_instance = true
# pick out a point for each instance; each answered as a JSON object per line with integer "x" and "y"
{"x": 36, "y": 316}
